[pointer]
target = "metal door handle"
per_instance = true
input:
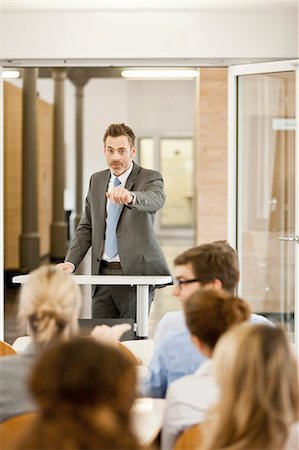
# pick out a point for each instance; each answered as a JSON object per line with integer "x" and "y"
{"x": 289, "y": 239}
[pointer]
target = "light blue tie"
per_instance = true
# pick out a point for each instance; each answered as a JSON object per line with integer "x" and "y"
{"x": 114, "y": 211}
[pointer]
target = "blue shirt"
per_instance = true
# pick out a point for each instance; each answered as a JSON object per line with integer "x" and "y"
{"x": 174, "y": 356}
{"x": 174, "y": 353}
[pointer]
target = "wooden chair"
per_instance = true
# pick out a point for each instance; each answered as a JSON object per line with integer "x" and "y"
{"x": 11, "y": 430}
{"x": 190, "y": 439}
{"x": 6, "y": 349}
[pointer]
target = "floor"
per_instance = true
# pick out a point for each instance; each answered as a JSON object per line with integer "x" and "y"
{"x": 163, "y": 303}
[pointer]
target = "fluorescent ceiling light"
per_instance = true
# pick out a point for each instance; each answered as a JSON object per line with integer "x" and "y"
{"x": 9, "y": 74}
{"x": 159, "y": 73}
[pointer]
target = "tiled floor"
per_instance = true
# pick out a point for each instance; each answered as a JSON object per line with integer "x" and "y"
{"x": 164, "y": 301}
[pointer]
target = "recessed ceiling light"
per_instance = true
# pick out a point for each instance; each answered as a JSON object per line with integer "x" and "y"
{"x": 9, "y": 74}
{"x": 159, "y": 73}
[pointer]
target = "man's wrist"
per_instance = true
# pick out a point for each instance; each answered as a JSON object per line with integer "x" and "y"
{"x": 73, "y": 265}
{"x": 133, "y": 201}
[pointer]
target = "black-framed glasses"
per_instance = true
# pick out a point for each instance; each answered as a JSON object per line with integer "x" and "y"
{"x": 182, "y": 282}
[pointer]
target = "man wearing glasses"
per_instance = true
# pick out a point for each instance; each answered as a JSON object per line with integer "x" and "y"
{"x": 213, "y": 265}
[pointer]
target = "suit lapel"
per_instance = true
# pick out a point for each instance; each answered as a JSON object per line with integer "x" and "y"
{"x": 132, "y": 177}
{"x": 130, "y": 182}
{"x": 103, "y": 186}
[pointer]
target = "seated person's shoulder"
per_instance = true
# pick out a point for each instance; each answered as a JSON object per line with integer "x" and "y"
{"x": 172, "y": 343}
{"x": 177, "y": 385}
{"x": 177, "y": 351}
{"x": 170, "y": 322}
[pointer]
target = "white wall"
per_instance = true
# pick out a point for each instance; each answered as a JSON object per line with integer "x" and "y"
{"x": 105, "y": 102}
{"x": 162, "y": 106}
{"x": 260, "y": 30}
{"x": 149, "y": 107}
{"x": 146, "y": 106}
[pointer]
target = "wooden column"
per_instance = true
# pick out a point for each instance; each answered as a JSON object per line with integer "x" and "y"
{"x": 29, "y": 239}
{"x": 58, "y": 226}
{"x": 79, "y": 80}
{"x": 211, "y": 155}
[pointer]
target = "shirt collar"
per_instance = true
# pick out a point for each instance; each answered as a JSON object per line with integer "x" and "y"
{"x": 206, "y": 368}
{"x": 124, "y": 176}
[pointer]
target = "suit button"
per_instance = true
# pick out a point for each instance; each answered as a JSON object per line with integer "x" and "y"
{"x": 98, "y": 260}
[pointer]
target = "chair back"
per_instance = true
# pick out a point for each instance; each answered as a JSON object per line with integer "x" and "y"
{"x": 21, "y": 343}
{"x": 6, "y": 349}
{"x": 12, "y": 429}
{"x": 190, "y": 439}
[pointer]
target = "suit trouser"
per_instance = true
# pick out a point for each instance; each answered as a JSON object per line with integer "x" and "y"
{"x": 116, "y": 301}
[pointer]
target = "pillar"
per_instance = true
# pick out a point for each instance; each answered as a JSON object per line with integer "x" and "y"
{"x": 58, "y": 226}
{"x": 79, "y": 80}
{"x": 76, "y": 214}
{"x": 29, "y": 239}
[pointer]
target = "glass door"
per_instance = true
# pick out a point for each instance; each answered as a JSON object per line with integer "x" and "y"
{"x": 263, "y": 159}
{"x": 174, "y": 157}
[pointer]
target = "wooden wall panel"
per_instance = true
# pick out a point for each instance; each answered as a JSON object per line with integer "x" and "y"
{"x": 211, "y": 155}
{"x": 12, "y": 173}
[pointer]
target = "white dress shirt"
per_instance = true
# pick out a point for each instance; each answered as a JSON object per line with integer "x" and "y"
{"x": 187, "y": 402}
{"x": 123, "y": 179}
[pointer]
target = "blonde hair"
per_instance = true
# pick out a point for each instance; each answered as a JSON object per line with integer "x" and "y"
{"x": 49, "y": 303}
{"x": 259, "y": 400}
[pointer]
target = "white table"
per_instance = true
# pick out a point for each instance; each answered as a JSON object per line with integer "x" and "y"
{"x": 142, "y": 284}
{"x": 147, "y": 419}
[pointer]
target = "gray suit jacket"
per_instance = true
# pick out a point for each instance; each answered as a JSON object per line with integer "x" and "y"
{"x": 139, "y": 251}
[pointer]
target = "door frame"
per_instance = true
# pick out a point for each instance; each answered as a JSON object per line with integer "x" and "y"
{"x": 233, "y": 162}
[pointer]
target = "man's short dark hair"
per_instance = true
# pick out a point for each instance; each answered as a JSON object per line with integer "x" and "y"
{"x": 217, "y": 260}
{"x": 120, "y": 129}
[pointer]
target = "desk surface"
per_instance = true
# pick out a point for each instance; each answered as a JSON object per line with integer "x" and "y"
{"x": 147, "y": 418}
{"x": 132, "y": 280}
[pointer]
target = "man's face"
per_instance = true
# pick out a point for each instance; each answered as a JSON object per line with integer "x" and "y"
{"x": 183, "y": 291}
{"x": 118, "y": 154}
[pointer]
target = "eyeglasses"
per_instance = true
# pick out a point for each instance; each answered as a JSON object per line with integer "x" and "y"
{"x": 180, "y": 283}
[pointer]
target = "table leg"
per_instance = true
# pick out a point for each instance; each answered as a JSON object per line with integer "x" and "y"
{"x": 142, "y": 311}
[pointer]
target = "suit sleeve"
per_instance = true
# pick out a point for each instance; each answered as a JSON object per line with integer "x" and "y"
{"x": 82, "y": 237}
{"x": 150, "y": 197}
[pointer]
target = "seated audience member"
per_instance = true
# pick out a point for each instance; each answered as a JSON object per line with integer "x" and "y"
{"x": 259, "y": 400}
{"x": 85, "y": 391}
{"x": 213, "y": 265}
{"x": 209, "y": 313}
{"x": 49, "y": 305}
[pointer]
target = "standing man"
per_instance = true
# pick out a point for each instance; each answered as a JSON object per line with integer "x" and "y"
{"x": 118, "y": 224}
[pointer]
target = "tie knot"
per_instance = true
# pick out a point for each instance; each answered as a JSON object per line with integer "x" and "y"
{"x": 116, "y": 182}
